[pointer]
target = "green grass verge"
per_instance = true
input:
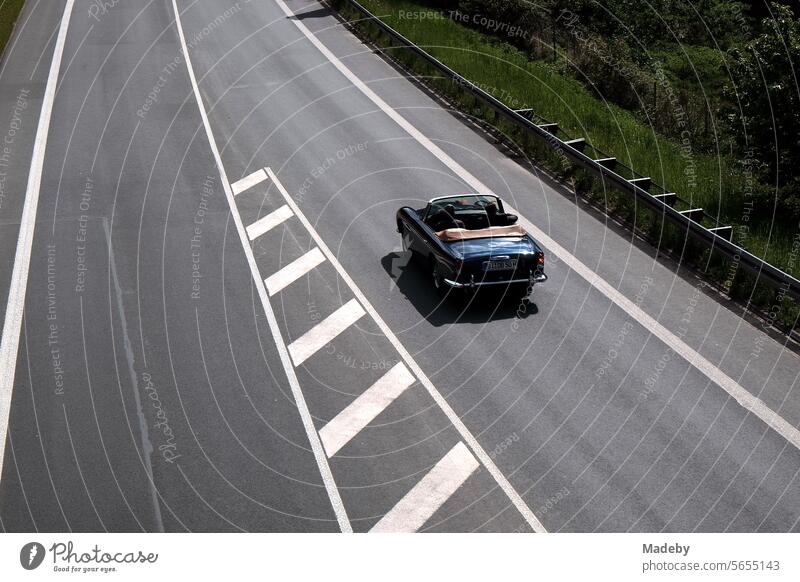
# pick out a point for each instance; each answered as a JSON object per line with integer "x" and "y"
{"x": 9, "y": 10}
{"x": 510, "y": 75}
{"x": 713, "y": 182}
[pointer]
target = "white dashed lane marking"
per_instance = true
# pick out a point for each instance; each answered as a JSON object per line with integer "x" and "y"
{"x": 261, "y": 289}
{"x": 268, "y": 222}
{"x": 318, "y": 336}
{"x": 293, "y": 271}
{"x": 248, "y": 182}
{"x": 419, "y": 504}
{"x": 363, "y": 410}
{"x": 470, "y": 440}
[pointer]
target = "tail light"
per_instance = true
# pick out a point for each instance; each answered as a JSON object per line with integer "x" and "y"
{"x": 540, "y": 258}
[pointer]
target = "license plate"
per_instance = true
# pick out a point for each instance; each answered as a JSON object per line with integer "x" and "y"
{"x": 509, "y": 265}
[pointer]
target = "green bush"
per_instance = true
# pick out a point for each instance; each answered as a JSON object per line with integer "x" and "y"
{"x": 9, "y": 10}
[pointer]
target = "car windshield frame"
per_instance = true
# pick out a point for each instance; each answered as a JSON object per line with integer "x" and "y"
{"x": 461, "y": 203}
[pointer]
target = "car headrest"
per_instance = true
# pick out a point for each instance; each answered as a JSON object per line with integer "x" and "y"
{"x": 451, "y": 234}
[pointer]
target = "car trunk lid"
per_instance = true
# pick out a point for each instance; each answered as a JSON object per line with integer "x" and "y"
{"x": 492, "y": 247}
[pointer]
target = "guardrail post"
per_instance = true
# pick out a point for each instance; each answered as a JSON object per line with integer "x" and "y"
{"x": 725, "y": 232}
{"x": 549, "y": 127}
{"x": 695, "y": 214}
{"x": 609, "y": 163}
{"x": 668, "y": 198}
{"x": 578, "y": 143}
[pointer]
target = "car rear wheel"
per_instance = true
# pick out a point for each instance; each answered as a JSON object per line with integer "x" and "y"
{"x": 438, "y": 279}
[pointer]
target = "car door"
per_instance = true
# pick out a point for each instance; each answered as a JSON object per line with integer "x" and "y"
{"x": 418, "y": 235}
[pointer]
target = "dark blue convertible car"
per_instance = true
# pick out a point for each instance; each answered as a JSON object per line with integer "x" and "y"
{"x": 469, "y": 241}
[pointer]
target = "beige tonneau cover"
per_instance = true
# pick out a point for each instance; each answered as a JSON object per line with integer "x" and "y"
{"x": 451, "y": 234}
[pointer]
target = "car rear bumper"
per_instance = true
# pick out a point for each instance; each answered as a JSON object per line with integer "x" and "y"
{"x": 538, "y": 277}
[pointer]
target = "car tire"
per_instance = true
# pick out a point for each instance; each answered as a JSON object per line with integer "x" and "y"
{"x": 438, "y": 279}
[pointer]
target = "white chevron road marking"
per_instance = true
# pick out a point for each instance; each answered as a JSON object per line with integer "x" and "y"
{"x": 501, "y": 480}
{"x": 363, "y": 410}
{"x": 318, "y": 336}
{"x": 248, "y": 182}
{"x": 293, "y": 271}
{"x": 436, "y": 487}
{"x": 268, "y": 222}
{"x": 300, "y": 401}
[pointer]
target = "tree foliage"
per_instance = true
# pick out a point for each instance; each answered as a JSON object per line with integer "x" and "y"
{"x": 728, "y": 67}
{"x": 764, "y": 115}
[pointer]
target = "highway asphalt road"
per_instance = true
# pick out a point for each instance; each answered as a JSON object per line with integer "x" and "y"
{"x": 161, "y": 385}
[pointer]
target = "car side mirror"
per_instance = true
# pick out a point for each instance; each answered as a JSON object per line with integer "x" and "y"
{"x": 512, "y": 218}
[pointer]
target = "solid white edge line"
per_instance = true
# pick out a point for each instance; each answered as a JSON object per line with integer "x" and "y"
{"x": 342, "y": 428}
{"x": 326, "y": 330}
{"x": 473, "y": 443}
{"x": 12, "y": 324}
{"x": 747, "y": 400}
{"x": 297, "y": 393}
{"x": 248, "y": 182}
{"x": 266, "y": 223}
{"x": 430, "y": 493}
{"x": 293, "y": 271}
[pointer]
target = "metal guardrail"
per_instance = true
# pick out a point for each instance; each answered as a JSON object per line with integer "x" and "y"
{"x": 717, "y": 238}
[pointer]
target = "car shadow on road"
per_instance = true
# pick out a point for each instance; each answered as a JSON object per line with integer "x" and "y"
{"x": 412, "y": 281}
